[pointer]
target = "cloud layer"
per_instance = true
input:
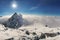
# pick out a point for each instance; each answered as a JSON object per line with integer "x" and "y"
{"x": 32, "y": 23}
{"x": 51, "y": 21}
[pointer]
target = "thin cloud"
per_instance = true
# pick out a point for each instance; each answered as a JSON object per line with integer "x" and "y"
{"x": 32, "y": 8}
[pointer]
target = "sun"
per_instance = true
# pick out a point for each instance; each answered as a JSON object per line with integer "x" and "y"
{"x": 14, "y": 5}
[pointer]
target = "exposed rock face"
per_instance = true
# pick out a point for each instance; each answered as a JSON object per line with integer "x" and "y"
{"x": 15, "y": 21}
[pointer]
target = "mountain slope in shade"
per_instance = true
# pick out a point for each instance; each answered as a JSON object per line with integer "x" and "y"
{"x": 15, "y": 21}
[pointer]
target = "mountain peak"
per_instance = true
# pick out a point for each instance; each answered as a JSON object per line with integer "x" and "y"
{"x": 15, "y": 21}
{"x": 15, "y": 13}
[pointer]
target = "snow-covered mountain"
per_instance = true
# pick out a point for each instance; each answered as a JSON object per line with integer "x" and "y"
{"x": 14, "y": 21}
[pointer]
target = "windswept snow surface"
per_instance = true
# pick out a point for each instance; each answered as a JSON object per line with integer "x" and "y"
{"x": 32, "y": 23}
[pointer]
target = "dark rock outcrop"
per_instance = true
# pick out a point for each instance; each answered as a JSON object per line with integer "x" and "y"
{"x": 44, "y": 35}
{"x": 34, "y": 33}
{"x": 27, "y": 32}
{"x": 36, "y": 38}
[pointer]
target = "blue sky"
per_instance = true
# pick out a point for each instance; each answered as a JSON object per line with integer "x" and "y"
{"x": 40, "y": 7}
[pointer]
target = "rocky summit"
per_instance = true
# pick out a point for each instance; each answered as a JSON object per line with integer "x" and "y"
{"x": 15, "y": 21}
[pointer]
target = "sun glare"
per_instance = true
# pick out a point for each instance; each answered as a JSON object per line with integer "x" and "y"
{"x": 14, "y": 5}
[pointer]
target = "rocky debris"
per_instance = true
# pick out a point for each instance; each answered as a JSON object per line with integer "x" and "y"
{"x": 25, "y": 38}
{"x": 21, "y": 30}
{"x": 10, "y": 39}
{"x": 27, "y": 32}
{"x": 46, "y": 25}
{"x": 44, "y": 35}
{"x": 15, "y": 21}
{"x": 6, "y": 28}
{"x": 2, "y": 27}
{"x": 34, "y": 33}
{"x": 51, "y": 34}
{"x": 58, "y": 33}
{"x": 36, "y": 38}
